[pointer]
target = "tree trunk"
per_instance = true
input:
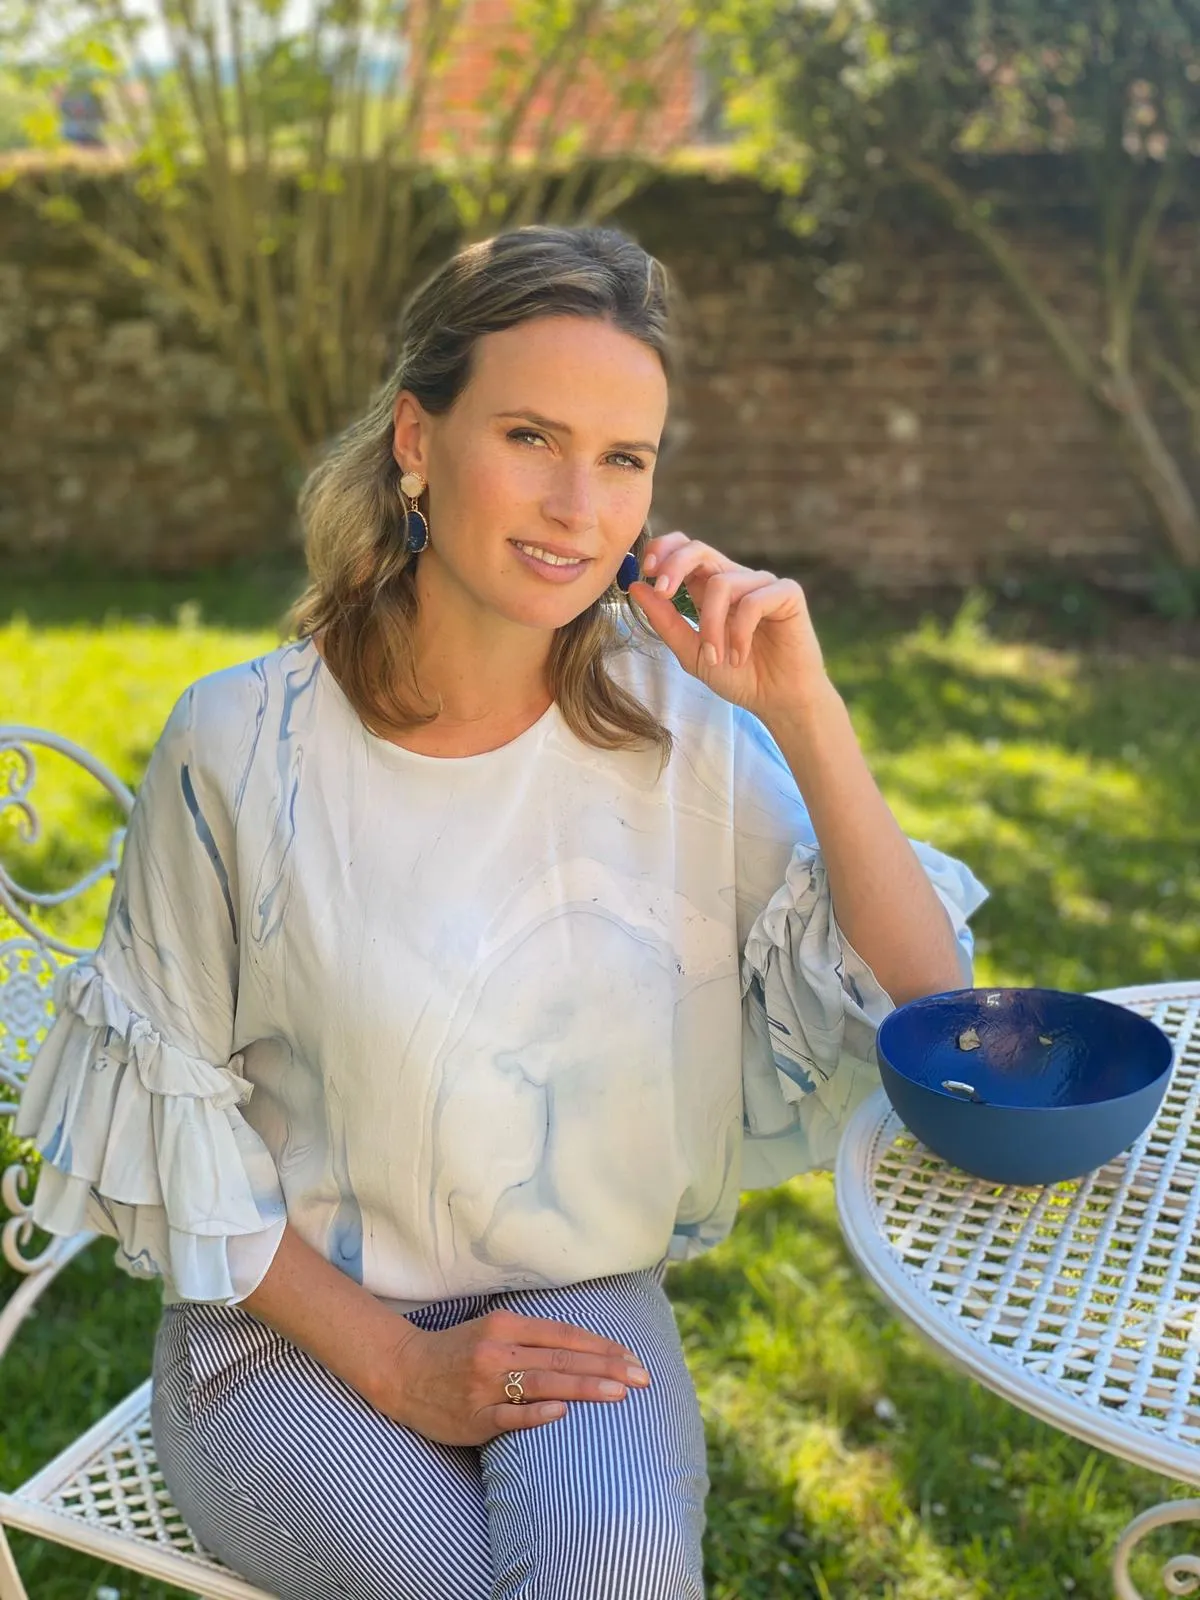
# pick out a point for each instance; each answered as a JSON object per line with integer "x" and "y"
{"x": 1154, "y": 466}
{"x": 1116, "y": 393}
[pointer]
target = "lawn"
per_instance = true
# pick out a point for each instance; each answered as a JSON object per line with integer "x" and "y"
{"x": 847, "y": 1460}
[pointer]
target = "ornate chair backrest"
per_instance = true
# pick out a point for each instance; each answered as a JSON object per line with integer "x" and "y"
{"x": 30, "y": 956}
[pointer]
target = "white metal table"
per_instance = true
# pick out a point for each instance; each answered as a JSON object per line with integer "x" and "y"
{"x": 1078, "y": 1301}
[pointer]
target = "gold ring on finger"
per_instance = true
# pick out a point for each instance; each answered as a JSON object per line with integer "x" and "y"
{"x": 513, "y": 1388}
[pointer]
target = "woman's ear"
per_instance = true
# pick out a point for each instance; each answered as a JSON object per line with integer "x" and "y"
{"x": 410, "y": 433}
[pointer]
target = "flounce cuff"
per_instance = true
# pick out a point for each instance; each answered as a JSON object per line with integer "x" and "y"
{"x": 145, "y": 1142}
{"x": 811, "y": 1009}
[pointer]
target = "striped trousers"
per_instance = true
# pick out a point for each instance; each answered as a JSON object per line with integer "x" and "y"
{"x": 297, "y": 1483}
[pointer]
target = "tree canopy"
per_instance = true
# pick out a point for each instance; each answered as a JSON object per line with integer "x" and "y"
{"x": 840, "y": 98}
{"x": 274, "y": 171}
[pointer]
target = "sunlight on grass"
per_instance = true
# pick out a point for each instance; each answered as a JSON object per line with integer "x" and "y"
{"x": 110, "y": 689}
{"x": 846, "y": 1459}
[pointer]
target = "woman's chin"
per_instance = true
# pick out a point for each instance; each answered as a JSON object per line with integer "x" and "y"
{"x": 548, "y": 611}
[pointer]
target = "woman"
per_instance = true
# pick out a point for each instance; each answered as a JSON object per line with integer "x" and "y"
{"x": 468, "y": 955}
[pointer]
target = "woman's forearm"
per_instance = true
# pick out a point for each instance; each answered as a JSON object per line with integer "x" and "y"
{"x": 335, "y": 1319}
{"x": 885, "y": 904}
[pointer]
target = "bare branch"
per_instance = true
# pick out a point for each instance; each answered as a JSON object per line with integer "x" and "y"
{"x": 1126, "y": 290}
{"x": 971, "y": 219}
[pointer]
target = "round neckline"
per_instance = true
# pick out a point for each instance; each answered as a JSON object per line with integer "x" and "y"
{"x": 399, "y": 755}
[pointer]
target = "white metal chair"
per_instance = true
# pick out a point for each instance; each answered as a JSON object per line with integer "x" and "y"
{"x": 103, "y": 1494}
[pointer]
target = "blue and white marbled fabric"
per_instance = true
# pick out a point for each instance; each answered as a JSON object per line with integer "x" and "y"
{"x": 513, "y": 1020}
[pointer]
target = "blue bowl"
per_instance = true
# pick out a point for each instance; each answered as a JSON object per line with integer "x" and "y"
{"x": 1023, "y": 1086}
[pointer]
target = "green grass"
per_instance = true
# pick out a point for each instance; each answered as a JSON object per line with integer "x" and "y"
{"x": 847, "y": 1460}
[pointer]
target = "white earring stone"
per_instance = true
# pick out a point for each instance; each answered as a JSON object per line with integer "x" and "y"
{"x": 412, "y": 484}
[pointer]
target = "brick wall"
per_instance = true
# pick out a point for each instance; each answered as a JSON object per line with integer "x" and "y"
{"x": 461, "y": 98}
{"x": 923, "y": 434}
{"x": 124, "y": 438}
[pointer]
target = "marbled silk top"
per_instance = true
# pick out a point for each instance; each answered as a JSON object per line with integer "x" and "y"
{"x": 506, "y": 1020}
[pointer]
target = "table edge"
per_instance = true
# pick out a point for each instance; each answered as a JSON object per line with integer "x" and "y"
{"x": 1166, "y": 1457}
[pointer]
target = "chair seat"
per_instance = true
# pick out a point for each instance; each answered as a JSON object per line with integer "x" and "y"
{"x": 105, "y": 1495}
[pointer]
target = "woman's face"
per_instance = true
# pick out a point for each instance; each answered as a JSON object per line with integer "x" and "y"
{"x": 540, "y": 475}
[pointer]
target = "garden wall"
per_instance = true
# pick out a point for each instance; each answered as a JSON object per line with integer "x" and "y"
{"x": 921, "y": 434}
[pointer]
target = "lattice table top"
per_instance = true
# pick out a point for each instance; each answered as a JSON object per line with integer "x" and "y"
{"x": 1079, "y": 1301}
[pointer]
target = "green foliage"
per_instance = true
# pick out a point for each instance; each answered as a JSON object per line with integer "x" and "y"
{"x": 846, "y": 1459}
{"x": 21, "y": 107}
{"x": 838, "y": 98}
{"x": 280, "y": 191}
{"x": 862, "y": 82}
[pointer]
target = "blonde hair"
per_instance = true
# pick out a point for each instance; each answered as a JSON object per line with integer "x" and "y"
{"x": 361, "y": 595}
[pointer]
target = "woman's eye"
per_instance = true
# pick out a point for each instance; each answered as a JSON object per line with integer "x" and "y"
{"x": 630, "y": 463}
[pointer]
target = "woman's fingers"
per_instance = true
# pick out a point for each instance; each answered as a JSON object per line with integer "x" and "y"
{"x": 735, "y": 601}
{"x": 672, "y": 628}
{"x": 508, "y": 1418}
{"x": 546, "y": 1331}
{"x": 717, "y": 587}
{"x": 541, "y": 1384}
{"x": 659, "y": 547}
{"x": 724, "y": 595}
{"x": 720, "y": 634}
{"x": 675, "y": 560}
{"x": 566, "y": 1362}
{"x": 548, "y": 1391}
{"x": 771, "y": 597}
{"x": 576, "y": 1363}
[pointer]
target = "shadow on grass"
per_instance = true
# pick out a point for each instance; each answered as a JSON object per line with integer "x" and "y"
{"x": 849, "y": 1459}
{"x": 1068, "y": 783}
{"x": 249, "y": 597}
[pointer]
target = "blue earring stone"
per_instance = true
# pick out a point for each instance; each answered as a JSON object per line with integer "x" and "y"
{"x": 417, "y": 536}
{"x": 627, "y": 572}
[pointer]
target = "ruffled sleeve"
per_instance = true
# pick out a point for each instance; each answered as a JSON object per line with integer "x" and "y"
{"x": 134, "y": 1097}
{"x": 810, "y": 1004}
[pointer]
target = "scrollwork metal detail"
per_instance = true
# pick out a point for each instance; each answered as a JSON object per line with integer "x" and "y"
{"x": 29, "y": 965}
{"x": 27, "y": 977}
{"x": 18, "y": 773}
{"x": 16, "y": 1190}
{"x": 1180, "y": 1574}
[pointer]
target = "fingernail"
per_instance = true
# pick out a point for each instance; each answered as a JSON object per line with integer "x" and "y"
{"x": 556, "y": 1409}
{"x": 735, "y": 659}
{"x": 662, "y": 584}
{"x": 709, "y": 652}
{"x": 649, "y": 564}
{"x": 613, "y": 1391}
{"x": 637, "y": 1375}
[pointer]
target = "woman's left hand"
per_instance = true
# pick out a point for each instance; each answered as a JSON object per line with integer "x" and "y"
{"x": 756, "y": 646}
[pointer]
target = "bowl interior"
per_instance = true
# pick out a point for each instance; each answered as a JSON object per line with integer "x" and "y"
{"x": 1025, "y": 1047}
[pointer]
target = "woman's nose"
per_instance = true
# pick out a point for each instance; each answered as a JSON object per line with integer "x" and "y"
{"x": 571, "y": 500}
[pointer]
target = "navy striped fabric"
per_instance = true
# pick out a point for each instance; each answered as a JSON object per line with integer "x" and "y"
{"x": 296, "y": 1482}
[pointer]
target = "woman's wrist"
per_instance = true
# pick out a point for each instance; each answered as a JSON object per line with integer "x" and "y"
{"x": 360, "y": 1340}
{"x": 382, "y": 1373}
{"x": 803, "y": 716}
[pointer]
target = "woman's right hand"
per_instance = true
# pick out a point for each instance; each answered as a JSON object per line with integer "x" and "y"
{"x": 449, "y": 1386}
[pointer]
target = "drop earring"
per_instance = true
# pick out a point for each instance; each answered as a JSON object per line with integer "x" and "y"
{"x": 416, "y": 528}
{"x": 627, "y": 572}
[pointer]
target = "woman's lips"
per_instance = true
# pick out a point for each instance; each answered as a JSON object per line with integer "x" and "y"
{"x": 557, "y": 569}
